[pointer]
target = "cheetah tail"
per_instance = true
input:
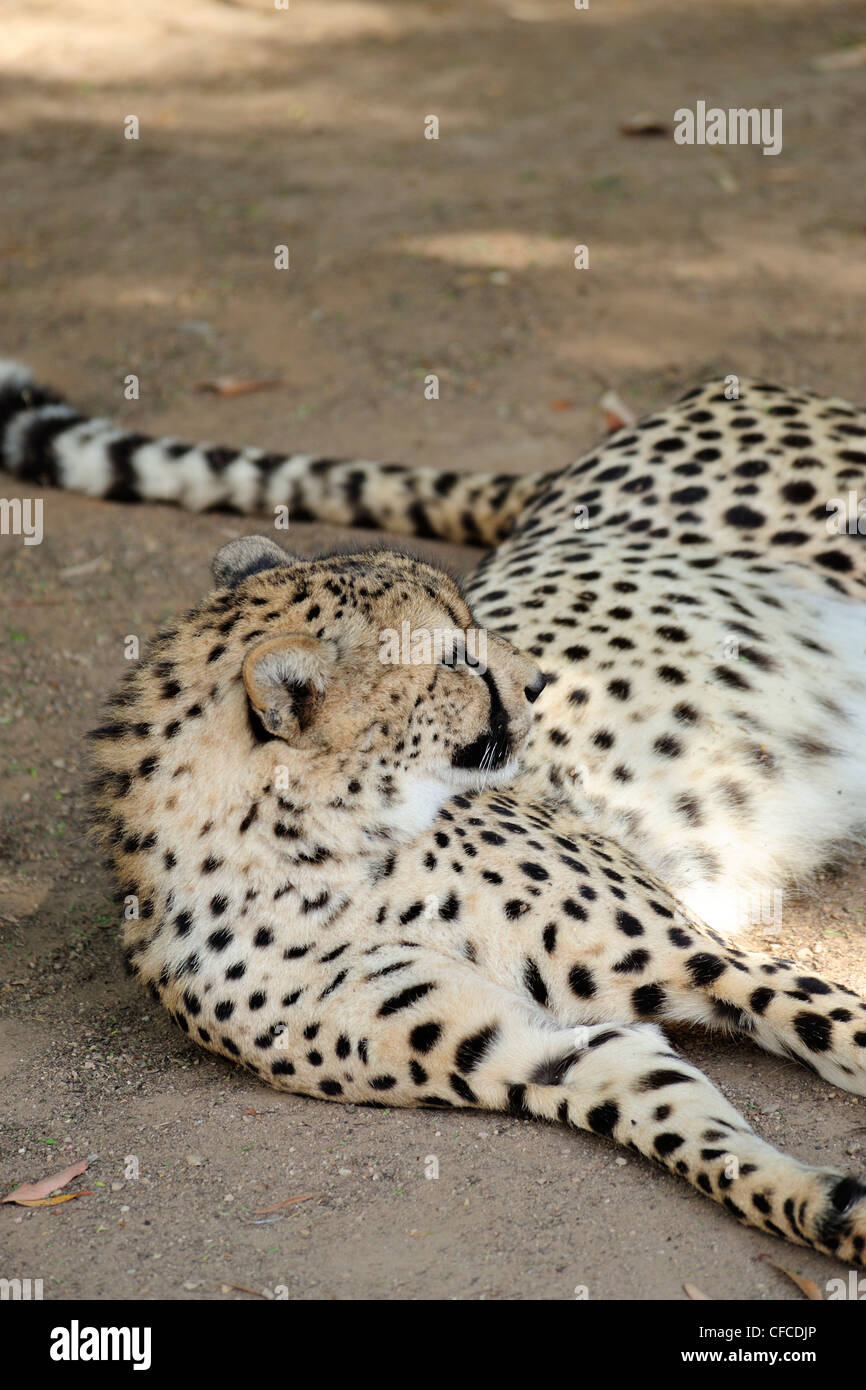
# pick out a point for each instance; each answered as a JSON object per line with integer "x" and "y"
{"x": 46, "y": 441}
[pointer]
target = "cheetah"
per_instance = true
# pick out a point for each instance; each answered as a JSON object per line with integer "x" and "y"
{"x": 690, "y": 589}
{"x": 460, "y": 884}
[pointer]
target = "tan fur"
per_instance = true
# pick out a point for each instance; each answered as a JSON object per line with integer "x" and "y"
{"x": 348, "y": 914}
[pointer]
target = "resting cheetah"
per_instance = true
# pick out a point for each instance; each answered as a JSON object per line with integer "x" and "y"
{"x": 454, "y": 885}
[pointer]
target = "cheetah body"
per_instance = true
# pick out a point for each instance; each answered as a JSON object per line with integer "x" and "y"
{"x": 688, "y": 586}
{"x": 443, "y": 885}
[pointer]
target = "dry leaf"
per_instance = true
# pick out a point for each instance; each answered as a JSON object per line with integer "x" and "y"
{"x": 289, "y": 1202}
{"x": 226, "y": 386}
{"x": 617, "y": 416}
{"x": 50, "y": 1201}
{"x": 845, "y": 58}
{"x": 696, "y": 1294}
{"x": 644, "y": 123}
{"x": 561, "y": 404}
{"x": 806, "y": 1286}
{"x": 36, "y": 1192}
{"x": 242, "y": 1288}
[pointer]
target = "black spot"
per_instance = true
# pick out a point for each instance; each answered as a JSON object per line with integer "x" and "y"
{"x": 569, "y": 906}
{"x": 462, "y": 1088}
{"x": 664, "y": 1076}
{"x": 759, "y": 1000}
{"x": 732, "y": 678}
{"x": 533, "y": 981}
{"x": 633, "y": 963}
{"x": 812, "y": 985}
{"x": 628, "y": 924}
{"x": 746, "y": 518}
{"x": 704, "y": 968}
{"x": 471, "y": 1051}
{"x": 668, "y": 746}
{"x": 648, "y": 999}
{"x": 425, "y": 1036}
{"x": 450, "y": 908}
{"x": 580, "y": 982}
{"x": 603, "y": 1118}
{"x": 405, "y": 999}
{"x": 836, "y": 560}
{"x": 619, "y": 689}
{"x": 183, "y": 922}
{"x": 733, "y": 1208}
{"x": 814, "y": 1030}
{"x": 666, "y": 1143}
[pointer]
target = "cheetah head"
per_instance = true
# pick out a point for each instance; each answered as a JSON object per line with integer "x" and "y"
{"x": 376, "y": 657}
{"x": 358, "y": 679}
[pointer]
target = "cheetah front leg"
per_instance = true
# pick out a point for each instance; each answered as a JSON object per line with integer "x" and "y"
{"x": 424, "y": 1029}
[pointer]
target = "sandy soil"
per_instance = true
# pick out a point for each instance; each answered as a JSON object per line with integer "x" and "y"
{"x": 155, "y": 257}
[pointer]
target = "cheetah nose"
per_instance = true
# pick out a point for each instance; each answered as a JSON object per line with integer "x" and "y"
{"x": 533, "y": 691}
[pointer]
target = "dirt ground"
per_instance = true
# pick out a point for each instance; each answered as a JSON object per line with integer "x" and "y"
{"x": 261, "y": 127}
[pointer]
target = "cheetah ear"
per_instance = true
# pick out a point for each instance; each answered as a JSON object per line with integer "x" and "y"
{"x": 286, "y": 679}
{"x": 245, "y": 556}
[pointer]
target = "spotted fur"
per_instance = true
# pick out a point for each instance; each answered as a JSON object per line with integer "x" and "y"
{"x": 702, "y": 635}
{"x": 443, "y": 886}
